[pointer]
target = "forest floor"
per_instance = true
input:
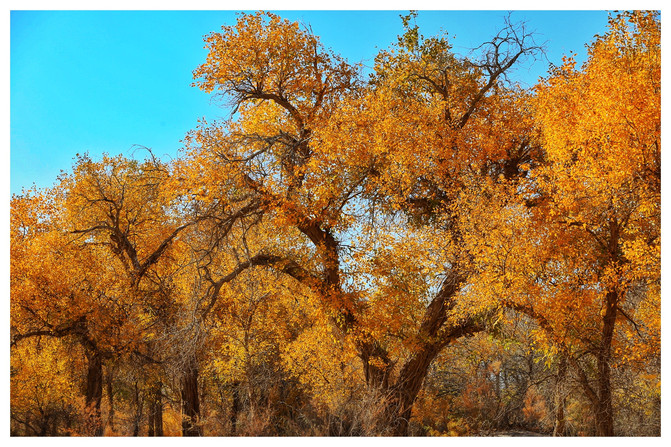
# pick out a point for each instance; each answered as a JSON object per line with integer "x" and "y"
{"x": 516, "y": 433}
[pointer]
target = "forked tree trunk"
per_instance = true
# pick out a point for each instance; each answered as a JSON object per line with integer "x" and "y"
{"x": 405, "y": 391}
{"x": 414, "y": 371}
{"x": 190, "y": 401}
{"x": 432, "y": 337}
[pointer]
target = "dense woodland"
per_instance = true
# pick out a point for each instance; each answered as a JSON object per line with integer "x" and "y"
{"x": 418, "y": 248}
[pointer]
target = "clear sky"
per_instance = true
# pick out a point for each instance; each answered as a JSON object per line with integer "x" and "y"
{"x": 104, "y": 81}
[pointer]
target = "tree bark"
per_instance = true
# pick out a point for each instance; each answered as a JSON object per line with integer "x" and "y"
{"x": 158, "y": 411}
{"x": 560, "y": 399}
{"x": 150, "y": 418}
{"x": 110, "y": 398}
{"x": 432, "y": 337}
{"x": 155, "y": 411}
{"x": 137, "y": 404}
{"x": 235, "y": 407}
{"x": 377, "y": 372}
{"x": 190, "y": 401}
{"x": 405, "y": 391}
{"x": 94, "y": 390}
{"x": 604, "y": 407}
{"x": 414, "y": 371}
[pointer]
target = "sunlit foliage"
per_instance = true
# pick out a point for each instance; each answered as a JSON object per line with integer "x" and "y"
{"x": 428, "y": 249}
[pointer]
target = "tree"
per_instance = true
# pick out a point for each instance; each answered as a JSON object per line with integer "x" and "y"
{"x": 299, "y": 107}
{"x": 102, "y": 239}
{"x": 605, "y": 175}
{"x": 56, "y": 290}
{"x": 580, "y": 253}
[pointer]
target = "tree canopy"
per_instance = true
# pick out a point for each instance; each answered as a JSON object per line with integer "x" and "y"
{"x": 428, "y": 249}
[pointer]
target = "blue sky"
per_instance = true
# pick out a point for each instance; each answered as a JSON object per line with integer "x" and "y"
{"x": 104, "y": 81}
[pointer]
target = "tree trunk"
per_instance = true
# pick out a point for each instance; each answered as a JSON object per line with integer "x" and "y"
{"x": 150, "y": 417}
{"x": 110, "y": 398}
{"x": 604, "y": 402}
{"x": 235, "y": 407}
{"x": 405, "y": 391}
{"x": 94, "y": 390}
{"x": 604, "y": 407}
{"x": 137, "y": 405}
{"x": 27, "y": 429}
{"x": 411, "y": 378}
{"x": 155, "y": 416}
{"x": 432, "y": 337}
{"x": 155, "y": 411}
{"x": 158, "y": 410}
{"x": 377, "y": 366}
{"x": 190, "y": 401}
{"x": 560, "y": 399}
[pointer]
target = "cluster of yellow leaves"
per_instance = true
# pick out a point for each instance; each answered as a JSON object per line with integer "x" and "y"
{"x": 325, "y": 363}
{"x": 601, "y": 125}
{"x": 43, "y": 379}
{"x": 264, "y": 57}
